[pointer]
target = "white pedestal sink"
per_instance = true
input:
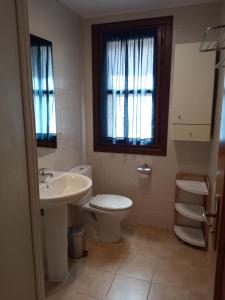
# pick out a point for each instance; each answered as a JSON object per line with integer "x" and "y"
{"x": 54, "y": 197}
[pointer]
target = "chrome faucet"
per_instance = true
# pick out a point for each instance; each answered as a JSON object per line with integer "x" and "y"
{"x": 43, "y": 174}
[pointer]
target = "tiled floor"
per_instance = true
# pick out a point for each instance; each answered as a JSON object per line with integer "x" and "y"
{"x": 149, "y": 264}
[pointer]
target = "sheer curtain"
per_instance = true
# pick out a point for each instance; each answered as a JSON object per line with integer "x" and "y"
{"x": 43, "y": 89}
{"x": 130, "y": 89}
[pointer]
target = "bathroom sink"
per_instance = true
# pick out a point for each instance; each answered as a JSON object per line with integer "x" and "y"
{"x": 63, "y": 190}
{"x": 55, "y": 194}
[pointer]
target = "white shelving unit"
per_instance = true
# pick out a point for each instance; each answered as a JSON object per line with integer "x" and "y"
{"x": 193, "y": 212}
{"x": 190, "y": 235}
{"x": 195, "y": 185}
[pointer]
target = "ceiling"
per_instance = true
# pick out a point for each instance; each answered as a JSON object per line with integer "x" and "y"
{"x": 94, "y": 8}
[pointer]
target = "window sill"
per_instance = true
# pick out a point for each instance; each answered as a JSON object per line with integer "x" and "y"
{"x": 47, "y": 144}
{"x": 155, "y": 150}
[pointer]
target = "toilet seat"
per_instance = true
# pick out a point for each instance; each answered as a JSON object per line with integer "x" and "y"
{"x": 109, "y": 202}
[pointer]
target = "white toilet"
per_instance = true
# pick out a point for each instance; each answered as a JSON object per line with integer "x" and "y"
{"x": 102, "y": 213}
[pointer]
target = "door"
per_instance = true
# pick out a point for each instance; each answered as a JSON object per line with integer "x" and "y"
{"x": 219, "y": 242}
{"x": 217, "y": 290}
{"x": 17, "y": 271}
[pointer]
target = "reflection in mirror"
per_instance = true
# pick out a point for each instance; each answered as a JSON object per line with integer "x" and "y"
{"x": 43, "y": 91}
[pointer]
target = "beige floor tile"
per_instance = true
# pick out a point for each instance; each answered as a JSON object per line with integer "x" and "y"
{"x": 128, "y": 288}
{"x": 104, "y": 258}
{"x": 197, "y": 296}
{"x": 180, "y": 275}
{"x": 143, "y": 232}
{"x": 168, "y": 236}
{"x": 164, "y": 292}
{"x": 73, "y": 295}
{"x": 199, "y": 280}
{"x": 149, "y": 253}
{"x": 176, "y": 253}
{"x": 144, "y": 247}
{"x": 138, "y": 266}
{"x": 93, "y": 282}
{"x": 120, "y": 246}
{"x": 200, "y": 258}
{"x": 156, "y": 234}
{"x": 171, "y": 273}
{"x": 155, "y": 242}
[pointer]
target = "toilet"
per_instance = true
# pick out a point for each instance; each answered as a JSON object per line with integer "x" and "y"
{"x": 103, "y": 213}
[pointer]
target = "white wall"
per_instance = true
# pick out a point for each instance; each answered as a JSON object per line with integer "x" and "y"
{"x": 116, "y": 173}
{"x": 55, "y": 22}
{"x": 16, "y": 253}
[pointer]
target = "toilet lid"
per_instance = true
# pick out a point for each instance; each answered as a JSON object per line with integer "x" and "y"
{"x": 111, "y": 202}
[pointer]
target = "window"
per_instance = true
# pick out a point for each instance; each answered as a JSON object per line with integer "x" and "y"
{"x": 43, "y": 91}
{"x": 131, "y": 76}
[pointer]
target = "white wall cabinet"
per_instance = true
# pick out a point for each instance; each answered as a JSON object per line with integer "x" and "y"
{"x": 193, "y": 87}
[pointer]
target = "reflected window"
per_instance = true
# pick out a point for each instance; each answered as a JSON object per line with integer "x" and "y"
{"x": 43, "y": 91}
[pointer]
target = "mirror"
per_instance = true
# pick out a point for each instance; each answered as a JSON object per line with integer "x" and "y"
{"x": 43, "y": 92}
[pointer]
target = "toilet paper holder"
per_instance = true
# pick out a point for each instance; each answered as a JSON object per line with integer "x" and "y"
{"x": 144, "y": 169}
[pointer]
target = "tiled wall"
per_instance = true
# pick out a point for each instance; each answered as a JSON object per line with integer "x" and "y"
{"x": 55, "y": 22}
{"x": 116, "y": 173}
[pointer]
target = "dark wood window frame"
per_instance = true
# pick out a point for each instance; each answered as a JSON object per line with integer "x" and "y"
{"x": 164, "y": 26}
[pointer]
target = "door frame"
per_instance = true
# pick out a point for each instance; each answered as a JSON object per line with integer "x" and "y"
{"x": 23, "y": 34}
{"x": 219, "y": 286}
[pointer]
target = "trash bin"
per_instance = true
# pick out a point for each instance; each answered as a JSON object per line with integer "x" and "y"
{"x": 76, "y": 242}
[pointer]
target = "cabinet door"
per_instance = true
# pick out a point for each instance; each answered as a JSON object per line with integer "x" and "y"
{"x": 195, "y": 133}
{"x": 193, "y": 85}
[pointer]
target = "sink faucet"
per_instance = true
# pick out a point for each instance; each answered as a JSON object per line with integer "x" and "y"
{"x": 43, "y": 175}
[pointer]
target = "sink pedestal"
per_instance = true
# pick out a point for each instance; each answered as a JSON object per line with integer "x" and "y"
{"x": 55, "y": 228}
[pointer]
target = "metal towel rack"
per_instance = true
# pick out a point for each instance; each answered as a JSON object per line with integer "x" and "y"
{"x": 214, "y": 40}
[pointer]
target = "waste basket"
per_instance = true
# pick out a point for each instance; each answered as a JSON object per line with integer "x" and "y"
{"x": 76, "y": 242}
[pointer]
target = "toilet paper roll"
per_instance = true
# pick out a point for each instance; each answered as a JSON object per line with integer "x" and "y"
{"x": 144, "y": 171}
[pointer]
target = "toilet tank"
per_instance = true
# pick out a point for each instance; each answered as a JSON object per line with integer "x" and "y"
{"x": 85, "y": 170}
